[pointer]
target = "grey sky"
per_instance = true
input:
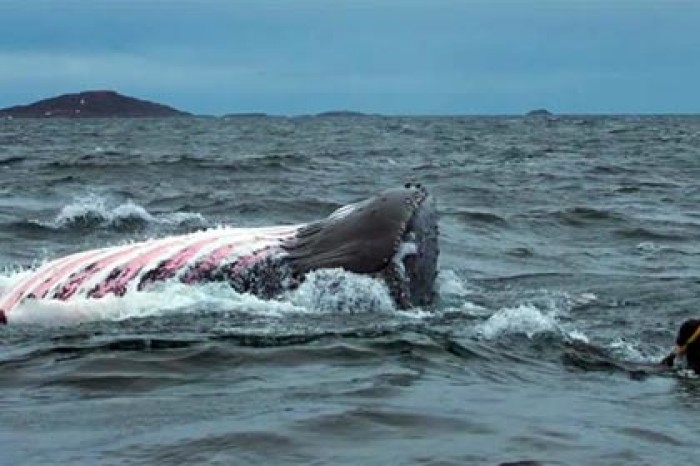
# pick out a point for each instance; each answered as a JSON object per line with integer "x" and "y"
{"x": 386, "y": 56}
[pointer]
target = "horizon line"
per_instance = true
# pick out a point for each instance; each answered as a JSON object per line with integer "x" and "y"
{"x": 535, "y": 112}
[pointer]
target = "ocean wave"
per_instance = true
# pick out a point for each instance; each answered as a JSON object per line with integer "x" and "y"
{"x": 620, "y": 129}
{"x": 540, "y": 312}
{"x": 570, "y": 345}
{"x": 253, "y": 162}
{"x": 471, "y": 217}
{"x": 581, "y": 216}
{"x": 335, "y": 290}
{"x": 94, "y": 212}
{"x": 12, "y": 160}
{"x": 525, "y": 319}
{"x": 310, "y": 209}
{"x": 515, "y": 153}
{"x": 323, "y": 291}
{"x": 520, "y": 252}
{"x": 452, "y": 285}
{"x": 641, "y": 233}
{"x": 163, "y": 300}
{"x": 612, "y": 170}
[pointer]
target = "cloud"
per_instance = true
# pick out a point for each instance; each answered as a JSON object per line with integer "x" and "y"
{"x": 222, "y": 87}
{"x": 380, "y": 55}
{"x": 168, "y": 73}
{"x": 110, "y": 70}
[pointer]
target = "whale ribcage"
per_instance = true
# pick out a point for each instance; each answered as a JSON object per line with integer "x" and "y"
{"x": 200, "y": 259}
{"x": 248, "y": 258}
{"x": 263, "y": 273}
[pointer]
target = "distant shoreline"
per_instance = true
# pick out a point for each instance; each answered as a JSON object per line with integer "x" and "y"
{"x": 91, "y": 104}
{"x": 111, "y": 104}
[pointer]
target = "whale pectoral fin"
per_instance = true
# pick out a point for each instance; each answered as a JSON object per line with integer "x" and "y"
{"x": 361, "y": 239}
{"x": 356, "y": 256}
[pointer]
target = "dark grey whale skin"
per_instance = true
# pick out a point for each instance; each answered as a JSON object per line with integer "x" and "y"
{"x": 366, "y": 238}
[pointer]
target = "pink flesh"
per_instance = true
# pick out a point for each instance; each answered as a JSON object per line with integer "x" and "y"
{"x": 179, "y": 260}
{"x": 19, "y": 292}
{"x": 247, "y": 261}
{"x": 70, "y": 288}
{"x": 208, "y": 264}
{"x": 212, "y": 260}
{"x": 118, "y": 284}
{"x": 77, "y": 269}
{"x": 59, "y": 274}
{"x": 88, "y": 272}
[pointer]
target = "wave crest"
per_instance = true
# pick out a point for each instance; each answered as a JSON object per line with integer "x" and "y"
{"x": 93, "y": 212}
{"x": 336, "y": 290}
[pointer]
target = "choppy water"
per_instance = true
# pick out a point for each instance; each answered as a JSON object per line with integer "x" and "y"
{"x": 570, "y": 255}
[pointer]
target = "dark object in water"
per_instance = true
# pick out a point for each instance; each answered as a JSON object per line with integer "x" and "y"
{"x": 393, "y": 237}
{"x": 687, "y": 345}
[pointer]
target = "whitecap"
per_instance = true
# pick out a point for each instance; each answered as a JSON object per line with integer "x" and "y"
{"x": 337, "y": 290}
{"x": 524, "y": 319}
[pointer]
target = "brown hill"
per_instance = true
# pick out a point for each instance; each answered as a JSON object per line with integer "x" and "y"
{"x": 91, "y": 104}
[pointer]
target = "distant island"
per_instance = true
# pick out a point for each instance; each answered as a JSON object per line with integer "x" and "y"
{"x": 341, "y": 113}
{"x": 91, "y": 104}
{"x": 540, "y": 112}
{"x": 251, "y": 115}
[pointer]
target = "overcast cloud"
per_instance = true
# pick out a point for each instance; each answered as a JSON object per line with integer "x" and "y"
{"x": 386, "y": 56}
